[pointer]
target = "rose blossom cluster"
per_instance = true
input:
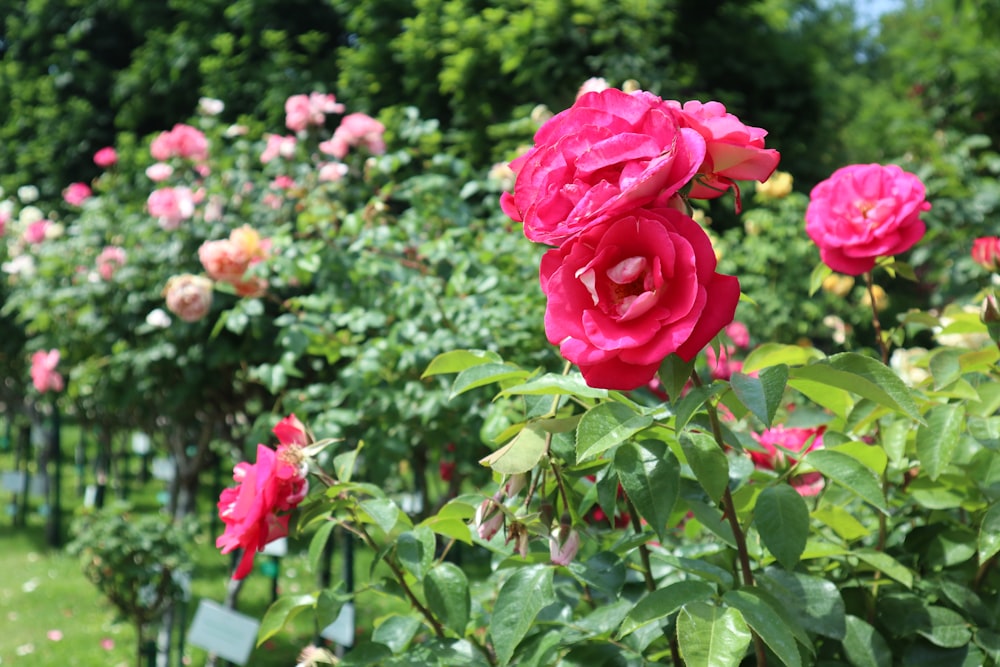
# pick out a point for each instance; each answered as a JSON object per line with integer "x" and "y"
{"x": 863, "y": 212}
{"x": 303, "y": 111}
{"x": 275, "y": 484}
{"x": 183, "y": 141}
{"x": 777, "y": 442}
{"x": 632, "y": 276}
{"x": 227, "y": 260}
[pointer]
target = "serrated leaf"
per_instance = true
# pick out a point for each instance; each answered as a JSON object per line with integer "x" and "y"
{"x": 674, "y": 373}
{"x": 521, "y": 597}
{"x": 894, "y": 436}
{"x": 663, "y": 602}
{"x": 774, "y": 354}
{"x": 836, "y": 400}
{"x": 317, "y": 545}
{"x": 849, "y": 473}
{"x": 766, "y": 622}
{"x": 281, "y": 612}
{"x": 989, "y": 534}
{"x": 447, "y": 591}
{"x": 708, "y": 462}
{"x": 937, "y": 440}
{"x": 814, "y": 601}
{"x": 604, "y": 426}
{"x": 484, "y": 374}
{"x": 415, "y": 550}
{"x": 782, "y": 520}
{"x": 847, "y": 527}
{"x": 555, "y": 383}
{"x": 685, "y": 408}
{"x": 650, "y": 475}
{"x": 762, "y": 394}
{"x": 383, "y": 512}
{"x": 396, "y": 632}
{"x": 886, "y": 564}
{"x": 862, "y": 376}
{"x": 457, "y": 361}
{"x": 711, "y": 636}
{"x": 945, "y": 367}
{"x": 864, "y": 646}
{"x": 520, "y": 454}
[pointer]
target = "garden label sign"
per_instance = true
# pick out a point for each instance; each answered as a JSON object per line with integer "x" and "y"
{"x": 225, "y": 632}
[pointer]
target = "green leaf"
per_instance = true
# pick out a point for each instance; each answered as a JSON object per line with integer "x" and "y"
{"x": 606, "y": 425}
{"x": 767, "y": 622}
{"x": 819, "y": 273}
{"x": 484, "y": 374}
{"x": 674, "y": 373}
{"x": 989, "y": 641}
{"x": 520, "y": 454}
{"x": 948, "y": 629}
{"x": 937, "y": 440}
{"x": 865, "y": 377}
{"x": 836, "y": 400}
{"x": 663, "y": 602}
{"x": 894, "y": 436}
{"x": 711, "y": 636}
{"x": 415, "y": 550}
{"x": 872, "y": 457}
{"x": 782, "y": 519}
{"x": 317, "y": 545}
{"x": 650, "y": 475}
{"x": 447, "y": 591}
{"x": 554, "y": 383}
{"x": 762, "y": 394}
{"x": 989, "y": 534}
{"x": 774, "y": 354}
{"x": 864, "y": 646}
{"x": 521, "y": 597}
{"x": 281, "y": 612}
{"x": 708, "y": 462}
{"x": 885, "y": 563}
{"x": 344, "y": 464}
{"x": 685, "y": 408}
{"x": 945, "y": 367}
{"x": 847, "y": 527}
{"x": 849, "y": 473}
{"x": 457, "y": 361}
{"x": 396, "y": 632}
{"x": 604, "y": 571}
{"x": 383, "y": 512}
{"x": 814, "y": 601}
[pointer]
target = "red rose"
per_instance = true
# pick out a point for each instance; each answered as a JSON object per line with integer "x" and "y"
{"x": 986, "y": 252}
{"x": 865, "y": 211}
{"x": 626, "y": 293}
{"x": 610, "y": 152}
{"x": 776, "y": 440}
{"x": 275, "y": 483}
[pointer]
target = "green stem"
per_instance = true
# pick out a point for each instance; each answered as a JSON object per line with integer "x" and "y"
{"x": 882, "y": 345}
{"x": 643, "y": 549}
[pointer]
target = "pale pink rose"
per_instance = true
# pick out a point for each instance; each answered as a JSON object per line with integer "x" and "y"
{"x": 159, "y": 171}
{"x": 355, "y": 129}
{"x": 863, "y": 212}
{"x": 489, "y": 518}
{"x": 624, "y": 294}
{"x": 43, "y": 371}
{"x": 188, "y": 296}
{"x": 283, "y": 182}
{"x": 110, "y": 260}
{"x": 331, "y": 172}
{"x": 782, "y": 448}
{"x": 610, "y": 152}
{"x": 325, "y": 103}
{"x": 735, "y": 151}
{"x": 108, "y": 644}
{"x": 171, "y": 205}
{"x": 594, "y": 84}
{"x": 106, "y": 157}
{"x": 272, "y": 201}
{"x": 278, "y": 146}
{"x": 182, "y": 141}
{"x": 563, "y": 545}
{"x": 35, "y": 232}
{"x": 298, "y": 114}
{"x": 54, "y": 635}
{"x": 275, "y": 484}
{"x": 76, "y": 193}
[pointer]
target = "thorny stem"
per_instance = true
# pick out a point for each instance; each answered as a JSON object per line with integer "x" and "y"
{"x": 729, "y": 510}
{"x": 882, "y": 345}
{"x": 643, "y": 549}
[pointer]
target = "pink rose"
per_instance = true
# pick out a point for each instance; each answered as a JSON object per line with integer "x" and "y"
{"x": 224, "y": 260}
{"x": 76, "y": 193}
{"x": 986, "y": 252}
{"x": 278, "y": 146}
{"x": 331, "y": 172}
{"x": 302, "y": 111}
{"x": 35, "y": 232}
{"x": 106, "y": 157}
{"x": 291, "y": 431}
{"x": 110, "y": 260}
{"x": 739, "y": 334}
{"x": 865, "y": 211}
{"x": 43, "y": 371}
{"x": 188, "y": 296}
{"x": 628, "y": 292}
{"x": 159, "y": 171}
{"x": 356, "y": 129}
{"x": 283, "y": 182}
{"x": 171, "y": 206}
{"x": 610, "y": 152}
{"x": 735, "y": 152}
{"x": 721, "y": 366}
{"x": 182, "y": 141}
{"x": 275, "y": 483}
{"x": 777, "y": 442}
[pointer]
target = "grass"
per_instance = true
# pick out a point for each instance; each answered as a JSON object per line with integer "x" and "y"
{"x": 51, "y": 615}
